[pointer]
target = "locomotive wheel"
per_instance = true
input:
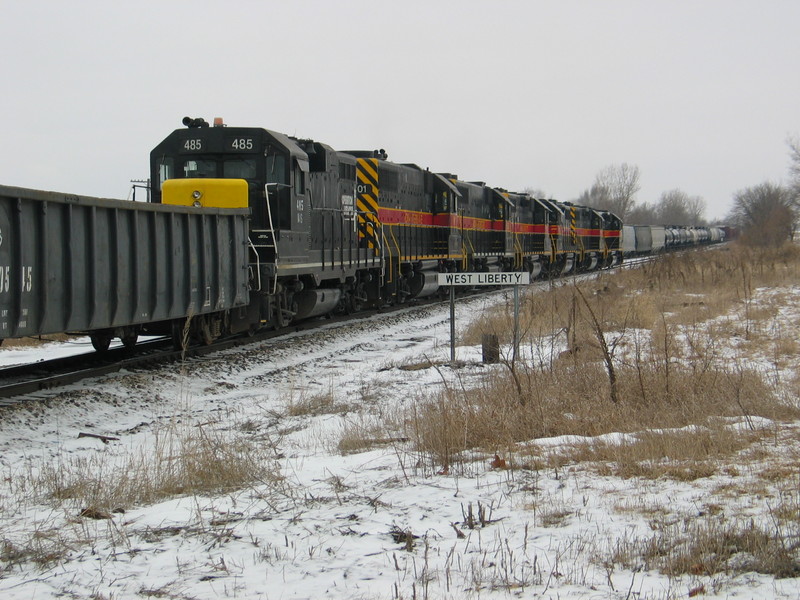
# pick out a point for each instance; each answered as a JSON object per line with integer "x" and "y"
{"x": 100, "y": 341}
{"x": 279, "y": 320}
{"x": 356, "y": 298}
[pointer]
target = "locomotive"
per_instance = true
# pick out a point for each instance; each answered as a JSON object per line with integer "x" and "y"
{"x": 249, "y": 228}
{"x": 340, "y": 230}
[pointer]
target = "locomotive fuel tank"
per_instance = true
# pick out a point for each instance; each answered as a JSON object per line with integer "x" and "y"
{"x": 312, "y": 303}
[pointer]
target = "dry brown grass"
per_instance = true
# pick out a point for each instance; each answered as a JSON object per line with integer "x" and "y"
{"x": 682, "y": 455}
{"x": 323, "y": 403}
{"x": 712, "y": 546}
{"x": 681, "y": 289}
{"x": 663, "y": 369}
{"x": 181, "y": 461}
{"x": 572, "y": 400}
{"x": 28, "y": 342}
{"x": 362, "y": 434}
{"x": 43, "y": 548}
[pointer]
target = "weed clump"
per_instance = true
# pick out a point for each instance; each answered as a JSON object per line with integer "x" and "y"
{"x": 182, "y": 461}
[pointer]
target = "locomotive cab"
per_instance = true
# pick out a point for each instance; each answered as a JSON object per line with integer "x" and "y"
{"x": 274, "y": 168}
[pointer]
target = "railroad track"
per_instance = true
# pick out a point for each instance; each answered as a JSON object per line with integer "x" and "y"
{"x": 38, "y": 381}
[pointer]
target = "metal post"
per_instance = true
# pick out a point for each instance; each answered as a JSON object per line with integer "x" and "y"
{"x": 452, "y": 324}
{"x": 516, "y": 324}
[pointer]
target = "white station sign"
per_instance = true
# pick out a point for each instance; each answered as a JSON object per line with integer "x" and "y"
{"x": 476, "y": 279}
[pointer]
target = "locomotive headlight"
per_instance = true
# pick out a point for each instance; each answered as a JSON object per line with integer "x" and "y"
{"x": 197, "y": 194}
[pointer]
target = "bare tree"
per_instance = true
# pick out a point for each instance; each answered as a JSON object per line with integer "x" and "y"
{"x": 697, "y": 210}
{"x": 597, "y": 197}
{"x": 614, "y": 189}
{"x": 643, "y": 214}
{"x": 794, "y": 166}
{"x": 765, "y": 214}
{"x": 676, "y": 207}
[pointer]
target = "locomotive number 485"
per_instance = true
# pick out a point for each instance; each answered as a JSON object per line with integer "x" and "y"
{"x": 242, "y": 144}
{"x": 196, "y": 145}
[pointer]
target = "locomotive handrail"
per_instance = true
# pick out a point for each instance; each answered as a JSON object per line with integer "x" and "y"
{"x": 519, "y": 251}
{"x": 272, "y": 233}
{"x": 258, "y": 263}
{"x": 471, "y": 245}
{"x": 581, "y": 247}
{"x": 385, "y": 247}
{"x": 399, "y": 252}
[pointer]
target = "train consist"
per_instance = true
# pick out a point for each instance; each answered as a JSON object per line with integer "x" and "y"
{"x": 248, "y": 228}
{"x": 648, "y": 239}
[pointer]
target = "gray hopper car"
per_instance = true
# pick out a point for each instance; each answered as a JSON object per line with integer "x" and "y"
{"x": 114, "y": 268}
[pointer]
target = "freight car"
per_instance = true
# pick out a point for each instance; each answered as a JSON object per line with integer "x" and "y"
{"x": 648, "y": 239}
{"x": 112, "y": 268}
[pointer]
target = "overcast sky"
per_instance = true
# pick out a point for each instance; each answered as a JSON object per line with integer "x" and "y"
{"x": 700, "y": 95}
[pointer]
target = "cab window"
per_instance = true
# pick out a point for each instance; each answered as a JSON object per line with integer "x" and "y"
{"x": 239, "y": 168}
{"x": 276, "y": 169}
{"x": 279, "y": 190}
{"x": 200, "y": 167}
{"x": 299, "y": 180}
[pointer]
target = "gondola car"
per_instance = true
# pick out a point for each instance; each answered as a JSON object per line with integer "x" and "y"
{"x": 118, "y": 269}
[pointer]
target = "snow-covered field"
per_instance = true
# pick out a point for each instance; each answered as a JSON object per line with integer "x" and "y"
{"x": 376, "y": 524}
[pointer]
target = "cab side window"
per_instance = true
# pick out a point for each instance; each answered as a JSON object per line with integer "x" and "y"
{"x": 299, "y": 180}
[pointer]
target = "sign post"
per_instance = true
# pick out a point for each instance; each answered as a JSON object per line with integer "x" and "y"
{"x": 482, "y": 279}
{"x": 452, "y": 324}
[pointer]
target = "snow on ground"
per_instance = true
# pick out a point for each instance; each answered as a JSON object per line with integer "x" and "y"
{"x": 23, "y": 355}
{"x": 325, "y": 529}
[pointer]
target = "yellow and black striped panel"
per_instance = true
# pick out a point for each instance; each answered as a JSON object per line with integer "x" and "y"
{"x": 367, "y": 201}
{"x": 573, "y": 227}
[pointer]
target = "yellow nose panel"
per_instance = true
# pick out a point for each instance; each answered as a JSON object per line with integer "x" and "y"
{"x": 217, "y": 193}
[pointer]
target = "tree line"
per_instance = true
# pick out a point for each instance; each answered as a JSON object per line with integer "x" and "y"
{"x": 766, "y": 214}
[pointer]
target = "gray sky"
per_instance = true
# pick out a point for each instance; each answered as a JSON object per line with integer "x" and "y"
{"x": 700, "y": 95}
